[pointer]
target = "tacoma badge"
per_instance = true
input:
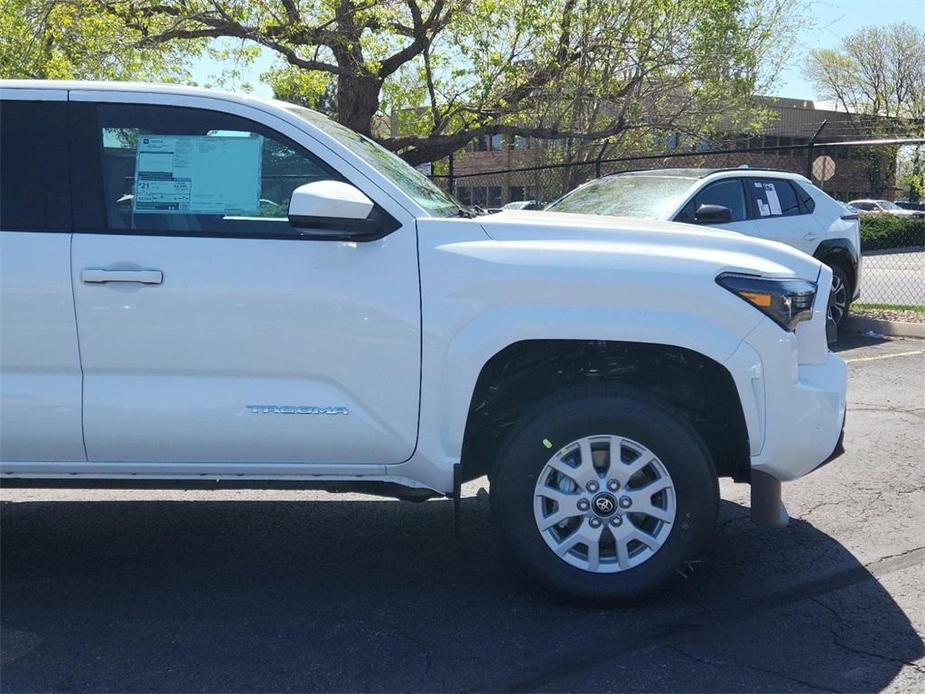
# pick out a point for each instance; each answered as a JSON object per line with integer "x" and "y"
{"x": 296, "y": 409}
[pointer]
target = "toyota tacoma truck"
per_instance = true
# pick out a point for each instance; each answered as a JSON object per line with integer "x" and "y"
{"x": 205, "y": 289}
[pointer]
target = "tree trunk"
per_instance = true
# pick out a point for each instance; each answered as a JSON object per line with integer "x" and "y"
{"x": 358, "y": 101}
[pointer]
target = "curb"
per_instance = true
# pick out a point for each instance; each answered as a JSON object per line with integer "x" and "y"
{"x": 890, "y": 328}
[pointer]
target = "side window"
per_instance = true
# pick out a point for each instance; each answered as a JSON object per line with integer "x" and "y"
{"x": 806, "y": 200}
{"x": 34, "y": 191}
{"x": 727, "y": 193}
{"x": 196, "y": 172}
{"x": 774, "y": 198}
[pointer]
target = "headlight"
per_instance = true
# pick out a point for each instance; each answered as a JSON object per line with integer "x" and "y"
{"x": 785, "y": 301}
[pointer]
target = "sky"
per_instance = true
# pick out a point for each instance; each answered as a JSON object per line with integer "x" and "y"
{"x": 832, "y": 20}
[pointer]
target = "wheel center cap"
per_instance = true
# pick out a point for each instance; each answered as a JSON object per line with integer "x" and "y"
{"x": 604, "y": 504}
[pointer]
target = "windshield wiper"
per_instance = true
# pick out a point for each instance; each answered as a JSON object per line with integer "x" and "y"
{"x": 472, "y": 212}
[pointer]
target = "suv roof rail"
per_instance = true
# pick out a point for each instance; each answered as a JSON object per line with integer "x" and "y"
{"x": 702, "y": 173}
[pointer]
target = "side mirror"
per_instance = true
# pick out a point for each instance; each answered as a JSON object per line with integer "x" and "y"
{"x": 712, "y": 214}
{"x": 324, "y": 203}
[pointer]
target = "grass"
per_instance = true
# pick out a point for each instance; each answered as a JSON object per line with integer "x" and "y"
{"x": 891, "y": 307}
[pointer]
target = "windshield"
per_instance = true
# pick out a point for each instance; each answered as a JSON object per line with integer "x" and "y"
{"x": 887, "y": 205}
{"x": 650, "y": 197}
{"x": 411, "y": 181}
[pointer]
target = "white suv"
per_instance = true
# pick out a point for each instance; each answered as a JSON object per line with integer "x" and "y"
{"x": 202, "y": 289}
{"x": 773, "y": 205}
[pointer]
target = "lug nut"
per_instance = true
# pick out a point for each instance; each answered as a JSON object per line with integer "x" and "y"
{"x": 617, "y": 521}
{"x": 593, "y": 486}
{"x": 583, "y": 505}
{"x": 625, "y": 502}
{"x": 595, "y": 522}
{"x": 613, "y": 485}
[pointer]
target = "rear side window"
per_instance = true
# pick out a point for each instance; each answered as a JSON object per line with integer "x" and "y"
{"x": 184, "y": 171}
{"x": 34, "y": 192}
{"x": 774, "y": 198}
{"x": 806, "y": 200}
{"x": 727, "y": 193}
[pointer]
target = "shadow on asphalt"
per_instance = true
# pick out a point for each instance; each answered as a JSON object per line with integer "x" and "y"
{"x": 854, "y": 341}
{"x": 376, "y": 595}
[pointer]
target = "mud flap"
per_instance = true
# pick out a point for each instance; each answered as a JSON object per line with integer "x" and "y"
{"x": 767, "y": 506}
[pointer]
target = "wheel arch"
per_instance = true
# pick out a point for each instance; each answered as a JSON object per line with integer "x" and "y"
{"x": 526, "y": 371}
{"x": 839, "y": 252}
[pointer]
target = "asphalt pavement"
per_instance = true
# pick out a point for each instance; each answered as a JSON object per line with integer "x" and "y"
{"x": 304, "y": 591}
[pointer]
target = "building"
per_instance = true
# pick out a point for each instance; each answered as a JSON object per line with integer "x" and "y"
{"x": 497, "y": 169}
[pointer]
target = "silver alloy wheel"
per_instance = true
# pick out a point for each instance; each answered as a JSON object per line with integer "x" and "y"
{"x": 604, "y": 503}
{"x": 838, "y": 299}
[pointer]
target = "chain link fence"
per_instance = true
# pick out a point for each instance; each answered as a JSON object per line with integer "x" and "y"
{"x": 893, "y": 240}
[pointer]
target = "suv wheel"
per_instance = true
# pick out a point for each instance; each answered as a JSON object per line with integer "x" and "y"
{"x": 839, "y": 298}
{"x": 604, "y": 496}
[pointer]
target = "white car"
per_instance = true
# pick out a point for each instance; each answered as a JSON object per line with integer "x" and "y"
{"x": 885, "y": 207}
{"x": 773, "y": 205}
{"x": 522, "y": 205}
{"x": 163, "y": 325}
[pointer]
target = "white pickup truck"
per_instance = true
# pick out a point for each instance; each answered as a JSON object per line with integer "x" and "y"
{"x": 204, "y": 289}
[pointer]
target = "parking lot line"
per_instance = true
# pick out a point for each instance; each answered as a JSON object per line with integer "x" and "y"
{"x": 886, "y": 356}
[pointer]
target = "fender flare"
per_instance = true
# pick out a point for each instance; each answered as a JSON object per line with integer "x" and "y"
{"x": 451, "y": 378}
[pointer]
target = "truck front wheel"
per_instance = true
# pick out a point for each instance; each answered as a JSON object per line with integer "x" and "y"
{"x": 604, "y": 495}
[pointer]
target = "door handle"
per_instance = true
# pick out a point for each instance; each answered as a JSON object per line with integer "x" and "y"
{"x": 811, "y": 236}
{"x": 99, "y": 276}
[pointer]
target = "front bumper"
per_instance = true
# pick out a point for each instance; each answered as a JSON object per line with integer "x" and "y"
{"x": 794, "y": 411}
{"x": 767, "y": 505}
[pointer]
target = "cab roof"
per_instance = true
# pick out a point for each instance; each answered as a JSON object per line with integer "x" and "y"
{"x": 143, "y": 87}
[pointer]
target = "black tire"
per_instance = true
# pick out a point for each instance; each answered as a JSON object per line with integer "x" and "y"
{"x": 581, "y": 412}
{"x": 840, "y": 296}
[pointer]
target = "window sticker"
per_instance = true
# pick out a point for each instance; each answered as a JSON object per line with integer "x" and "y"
{"x": 773, "y": 201}
{"x": 197, "y": 174}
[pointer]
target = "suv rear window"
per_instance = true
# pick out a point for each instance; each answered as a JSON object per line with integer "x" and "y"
{"x": 806, "y": 200}
{"x": 774, "y": 198}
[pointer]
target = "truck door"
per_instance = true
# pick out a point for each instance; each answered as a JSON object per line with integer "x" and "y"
{"x": 211, "y": 330}
{"x": 39, "y": 361}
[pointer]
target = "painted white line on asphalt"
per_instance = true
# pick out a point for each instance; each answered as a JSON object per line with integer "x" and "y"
{"x": 885, "y": 356}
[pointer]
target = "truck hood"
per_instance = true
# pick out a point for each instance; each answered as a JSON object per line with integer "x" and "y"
{"x": 726, "y": 251}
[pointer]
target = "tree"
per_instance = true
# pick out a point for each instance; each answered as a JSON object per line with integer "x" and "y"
{"x": 74, "y": 40}
{"x": 878, "y": 77}
{"x": 579, "y": 70}
{"x": 878, "y": 71}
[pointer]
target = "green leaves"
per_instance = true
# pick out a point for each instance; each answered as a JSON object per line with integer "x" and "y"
{"x": 585, "y": 73}
{"x": 881, "y": 231}
{"x": 49, "y": 39}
